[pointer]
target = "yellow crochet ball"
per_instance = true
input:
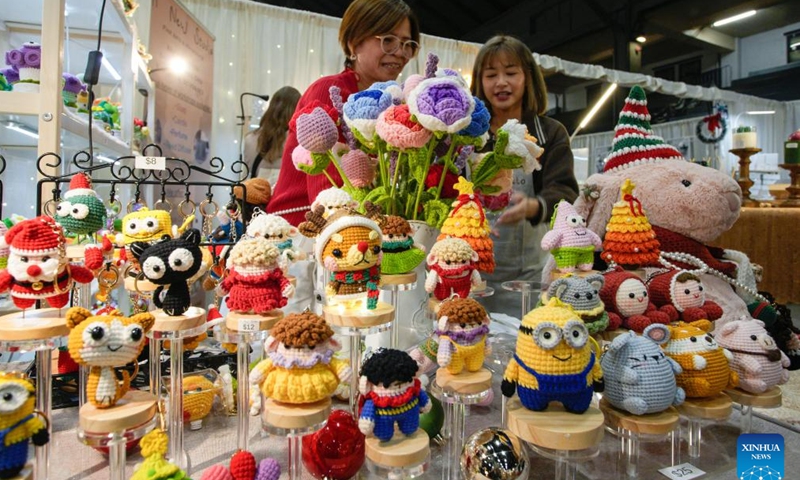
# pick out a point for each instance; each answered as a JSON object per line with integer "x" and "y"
{"x": 198, "y": 397}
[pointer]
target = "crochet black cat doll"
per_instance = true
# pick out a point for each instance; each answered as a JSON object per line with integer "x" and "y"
{"x": 171, "y": 262}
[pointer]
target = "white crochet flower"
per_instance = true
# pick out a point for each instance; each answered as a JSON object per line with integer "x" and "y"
{"x": 520, "y": 144}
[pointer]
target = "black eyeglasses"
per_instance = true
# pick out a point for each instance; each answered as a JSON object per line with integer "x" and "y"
{"x": 390, "y": 44}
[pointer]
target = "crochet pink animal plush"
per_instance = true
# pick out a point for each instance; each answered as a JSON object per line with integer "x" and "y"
{"x": 681, "y": 295}
{"x": 255, "y": 283}
{"x": 756, "y": 357}
{"x": 569, "y": 241}
{"x": 627, "y": 302}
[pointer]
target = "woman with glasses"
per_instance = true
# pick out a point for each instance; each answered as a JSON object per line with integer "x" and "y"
{"x": 378, "y": 38}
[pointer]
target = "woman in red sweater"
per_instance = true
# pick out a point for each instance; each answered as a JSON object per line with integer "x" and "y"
{"x": 378, "y": 38}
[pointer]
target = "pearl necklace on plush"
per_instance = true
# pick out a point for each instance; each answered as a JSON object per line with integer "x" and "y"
{"x": 704, "y": 268}
{"x": 292, "y": 210}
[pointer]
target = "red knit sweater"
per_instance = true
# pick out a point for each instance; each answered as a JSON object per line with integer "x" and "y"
{"x": 295, "y": 188}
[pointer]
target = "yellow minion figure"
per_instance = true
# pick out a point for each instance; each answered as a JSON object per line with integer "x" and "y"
{"x": 705, "y": 364}
{"x": 554, "y": 361}
{"x": 19, "y": 422}
{"x": 462, "y": 328}
{"x": 198, "y": 397}
{"x": 148, "y": 226}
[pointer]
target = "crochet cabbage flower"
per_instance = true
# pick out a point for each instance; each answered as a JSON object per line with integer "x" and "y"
{"x": 32, "y": 55}
{"x": 479, "y": 123}
{"x": 316, "y": 131}
{"x": 442, "y": 104}
{"x": 361, "y": 112}
{"x": 398, "y": 130}
{"x": 523, "y": 145}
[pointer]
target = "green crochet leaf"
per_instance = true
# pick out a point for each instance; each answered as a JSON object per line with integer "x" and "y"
{"x": 490, "y": 189}
{"x": 321, "y": 162}
{"x": 358, "y": 194}
{"x": 435, "y": 212}
{"x": 485, "y": 170}
{"x": 417, "y": 164}
{"x": 378, "y": 196}
{"x": 509, "y": 162}
{"x": 501, "y": 142}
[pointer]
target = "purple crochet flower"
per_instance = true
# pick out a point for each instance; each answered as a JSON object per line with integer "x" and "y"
{"x": 32, "y": 53}
{"x": 72, "y": 84}
{"x": 361, "y": 112}
{"x": 316, "y": 131}
{"x": 15, "y": 58}
{"x": 431, "y": 65}
{"x": 11, "y": 74}
{"x": 479, "y": 123}
{"x": 463, "y": 154}
{"x": 442, "y": 104}
{"x": 336, "y": 99}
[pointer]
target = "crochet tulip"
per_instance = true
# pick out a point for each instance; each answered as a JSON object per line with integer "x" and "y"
{"x": 411, "y": 83}
{"x": 358, "y": 167}
{"x": 442, "y": 104}
{"x": 396, "y": 127}
{"x": 316, "y": 131}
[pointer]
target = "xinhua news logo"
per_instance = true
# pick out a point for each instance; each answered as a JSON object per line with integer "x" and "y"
{"x": 759, "y": 456}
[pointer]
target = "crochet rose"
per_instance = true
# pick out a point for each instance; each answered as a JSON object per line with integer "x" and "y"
{"x": 396, "y": 128}
{"x": 316, "y": 131}
{"x": 521, "y": 144}
{"x": 442, "y": 104}
{"x": 479, "y": 123}
{"x": 494, "y": 203}
{"x": 390, "y": 87}
{"x": 361, "y": 112}
{"x": 450, "y": 179}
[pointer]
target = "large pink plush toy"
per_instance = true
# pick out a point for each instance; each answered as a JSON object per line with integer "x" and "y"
{"x": 628, "y": 302}
{"x": 569, "y": 241}
{"x": 681, "y": 295}
{"x": 756, "y": 357}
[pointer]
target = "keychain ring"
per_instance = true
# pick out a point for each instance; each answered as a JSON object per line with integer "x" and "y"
{"x": 129, "y": 207}
{"x": 109, "y": 276}
{"x": 184, "y": 203}
{"x": 136, "y": 286}
{"x": 236, "y": 212}
{"x": 114, "y": 207}
{"x": 163, "y": 202}
{"x": 49, "y": 208}
{"x": 205, "y": 203}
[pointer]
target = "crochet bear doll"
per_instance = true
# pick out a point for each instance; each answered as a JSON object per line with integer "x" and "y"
{"x": 301, "y": 367}
{"x": 569, "y": 241}
{"x": 680, "y": 294}
{"x": 452, "y": 270}
{"x": 37, "y": 266}
{"x": 102, "y": 343}
{"x": 171, "y": 263}
{"x": 255, "y": 283}
{"x": 332, "y": 200}
{"x": 20, "y": 424}
{"x": 756, "y": 358}
{"x": 390, "y": 394}
{"x": 705, "y": 364}
{"x": 583, "y": 294}
{"x": 400, "y": 253}
{"x": 628, "y": 302}
{"x": 639, "y": 377}
{"x": 463, "y": 327}
{"x": 547, "y": 333}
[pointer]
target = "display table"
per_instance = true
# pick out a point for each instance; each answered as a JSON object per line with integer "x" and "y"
{"x": 767, "y": 236}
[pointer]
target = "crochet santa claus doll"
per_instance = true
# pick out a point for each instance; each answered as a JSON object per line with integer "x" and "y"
{"x": 37, "y": 265}
{"x": 680, "y": 294}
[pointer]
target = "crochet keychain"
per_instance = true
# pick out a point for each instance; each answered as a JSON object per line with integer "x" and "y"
{"x": 20, "y": 423}
{"x": 154, "y": 448}
{"x": 80, "y": 211}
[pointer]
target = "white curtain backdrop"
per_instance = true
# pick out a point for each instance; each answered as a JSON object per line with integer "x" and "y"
{"x": 260, "y": 48}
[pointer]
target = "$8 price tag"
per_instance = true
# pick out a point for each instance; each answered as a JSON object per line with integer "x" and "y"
{"x": 248, "y": 326}
{"x": 150, "y": 163}
{"x": 684, "y": 471}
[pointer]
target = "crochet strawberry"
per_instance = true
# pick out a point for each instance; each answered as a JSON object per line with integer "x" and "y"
{"x": 243, "y": 466}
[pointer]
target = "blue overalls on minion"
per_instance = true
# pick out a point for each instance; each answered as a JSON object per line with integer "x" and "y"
{"x": 569, "y": 389}
{"x": 406, "y": 416}
{"x": 14, "y": 456}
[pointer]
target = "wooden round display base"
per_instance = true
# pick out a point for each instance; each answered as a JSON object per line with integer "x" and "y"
{"x": 339, "y": 316}
{"x": 465, "y": 383}
{"x": 555, "y": 274}
{"x": 772, "y": 398}
{"x": 712, "y": 408}
{"x": 192, "y": 318}
{"x": 555, "y": 428}
{"x": 25, "y": 474}
{"x": 287, "y": 416}
{"x": 134, "y": 409}
{"x": 398, "y": 279}
{"x": 252, "y": 322}
{"x": 650, "y": 424}
{"x": 36, "y": 325}
{"x": 143, "y": 286}
{"x": 610, "y": 335}
{"x": 401, "y": 451}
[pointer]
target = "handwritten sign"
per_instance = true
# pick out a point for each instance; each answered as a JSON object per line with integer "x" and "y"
{"x": 684, "y": 471}
{"x": 150, "y": 163}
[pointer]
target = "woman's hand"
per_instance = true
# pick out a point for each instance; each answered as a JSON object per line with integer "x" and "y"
{"x": 522, "y": 207}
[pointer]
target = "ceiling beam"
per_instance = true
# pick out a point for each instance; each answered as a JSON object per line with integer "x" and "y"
{"x": 704, "y": 38}
{"x": 500, "y": 22}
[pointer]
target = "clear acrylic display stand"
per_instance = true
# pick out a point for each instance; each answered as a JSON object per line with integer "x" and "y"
{"x": 293, "y": 422}
{"x": 772, "y": 398}
{"x": 244, "y": 329}
{"x": 357, "y": 323}
{"x": 82, "y": 298}
{"x": 402, "y": 457}
{"x": 130, "y": 419}
{"x": 36, "y": 331}
{"x": 174, "y": 329}
{"x": 528, "y": 289}
{"x": 556, "y": 434}
{"x": 632, "y": 430}
{"x": 457, "y": 392}
{"x": 697, "y": 410}
{"x": 393, "y": 284}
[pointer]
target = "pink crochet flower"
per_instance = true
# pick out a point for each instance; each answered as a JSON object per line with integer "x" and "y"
{"x": 301, "y": 156}
{"x": 316, "y": 131}
{"x": 397, "y": 129}
{"x": 359, "y": 168}
{"x": 411, "y": 83}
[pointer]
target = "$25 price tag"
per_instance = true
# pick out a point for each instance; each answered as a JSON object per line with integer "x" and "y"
{"x": 684, "y": 471}
{"x": 150, "y": 163}
{"x": 249, "y": 326}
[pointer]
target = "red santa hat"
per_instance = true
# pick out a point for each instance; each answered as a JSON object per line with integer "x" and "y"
{"x": 80, "y": 185}
{"x": 37, "y": 236}
{"x": 662, "y": 285}
{"x": 613, "y": 280}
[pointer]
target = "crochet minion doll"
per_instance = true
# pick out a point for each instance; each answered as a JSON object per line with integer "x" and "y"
{"x": 81, "y": 212}
{"x": 705, "y": 364}
{"x": 255, "y": 283}
{"x": 390, "y": 393}
{"x": 462, "y": 329}
{"x": 680, "y": 294}
{"x": 301, "y": 367}
{"x": 400, "y": 253}
{"x": 569, "y": 241}
{"x": 554, "y": 361}
{"x": 19, "y": 423}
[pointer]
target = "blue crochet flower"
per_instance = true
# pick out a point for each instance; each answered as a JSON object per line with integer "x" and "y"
{"x": 479, "y": 123}
{"x": 361, "y": 113}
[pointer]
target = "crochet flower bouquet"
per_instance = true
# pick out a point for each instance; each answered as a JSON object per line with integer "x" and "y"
{"x": 407, "y": 145}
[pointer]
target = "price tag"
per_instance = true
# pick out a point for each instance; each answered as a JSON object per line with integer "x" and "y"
{"x": 249, "y": 326}
{"x": 684, "y": 471}
{"x": 150, "y": 163}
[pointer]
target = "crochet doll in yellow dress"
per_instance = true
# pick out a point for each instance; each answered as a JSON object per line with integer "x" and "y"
{"x": 462, "y": 328}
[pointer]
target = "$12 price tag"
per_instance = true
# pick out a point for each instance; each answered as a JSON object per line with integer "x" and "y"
{"x": 249, "y": 326}
{"x": 150, "y": 163}
{"x": 684, "y": 471}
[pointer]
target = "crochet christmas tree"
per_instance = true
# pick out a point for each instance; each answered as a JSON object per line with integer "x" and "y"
{"x": 468, "y": 222}
{"x": 630, "y": 240}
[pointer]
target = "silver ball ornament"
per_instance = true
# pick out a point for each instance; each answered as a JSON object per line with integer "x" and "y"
{"x": 494, "y": 454}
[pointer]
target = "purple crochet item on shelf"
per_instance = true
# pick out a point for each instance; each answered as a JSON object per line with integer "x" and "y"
{"x": 268, "y": 469}
{"x": 442, "y": 104}
{"x": 15, "y": 58}
{"x": 431, "y": 65}
{"x": 32, "y": 53}
{"x": 12, "y": 75}
{"x": 316, "y": 131}
{"x": 72, "y": 84}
